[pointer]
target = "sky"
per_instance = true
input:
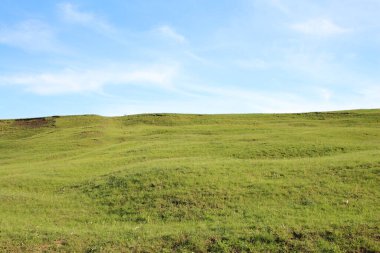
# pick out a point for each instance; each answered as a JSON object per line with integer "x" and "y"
{"x": 121, "y": 57}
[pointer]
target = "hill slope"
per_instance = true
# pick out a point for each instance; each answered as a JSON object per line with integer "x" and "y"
{"x": 166, "y": 182}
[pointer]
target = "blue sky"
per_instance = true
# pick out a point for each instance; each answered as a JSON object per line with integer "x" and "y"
{"x": 120, "y": 57}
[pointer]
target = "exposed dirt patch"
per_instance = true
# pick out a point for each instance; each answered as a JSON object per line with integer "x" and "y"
{"x": 34, "y": 122}
{"x": 52, "y": 247}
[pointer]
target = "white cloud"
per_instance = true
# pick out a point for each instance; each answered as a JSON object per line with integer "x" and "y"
{"x": 30, "y": 35}
{"x": 170, "y": 33}
{"x": 319, "y": 27}
{"x": 71, "y": 14}
{"x": 211, "y": 99}
{"x": 92, "y": 80}
{"x": 256, "y": 101}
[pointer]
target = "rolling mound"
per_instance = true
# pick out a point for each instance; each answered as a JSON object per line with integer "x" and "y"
{"x": 306, "y": 182}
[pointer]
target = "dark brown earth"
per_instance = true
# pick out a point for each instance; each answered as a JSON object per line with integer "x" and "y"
{"x": 34, "y": 122}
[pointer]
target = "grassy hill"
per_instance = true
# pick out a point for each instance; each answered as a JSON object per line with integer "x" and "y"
{"x": 191, "y": 183}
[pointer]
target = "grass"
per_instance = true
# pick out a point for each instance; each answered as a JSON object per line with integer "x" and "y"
{"x": 191, "y": 183}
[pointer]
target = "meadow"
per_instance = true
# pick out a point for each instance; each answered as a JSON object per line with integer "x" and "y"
{"x": 306, "y": 182}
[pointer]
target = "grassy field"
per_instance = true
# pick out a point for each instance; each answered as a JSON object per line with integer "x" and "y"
{"x": 191, "y": 183}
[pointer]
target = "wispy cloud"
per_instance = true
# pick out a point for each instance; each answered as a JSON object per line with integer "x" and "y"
{"x": 170, "y": 33}
{"x": 30, "y": 35}
{"x": 72, "y": 14}
{"x": 239, "y": 100}
{"x": 228, "y": 100}
{"x": 91, "y": 80}
{"x": 319, "y": 27}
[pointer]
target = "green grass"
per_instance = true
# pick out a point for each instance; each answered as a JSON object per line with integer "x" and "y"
{"x": 191, "y": 183}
